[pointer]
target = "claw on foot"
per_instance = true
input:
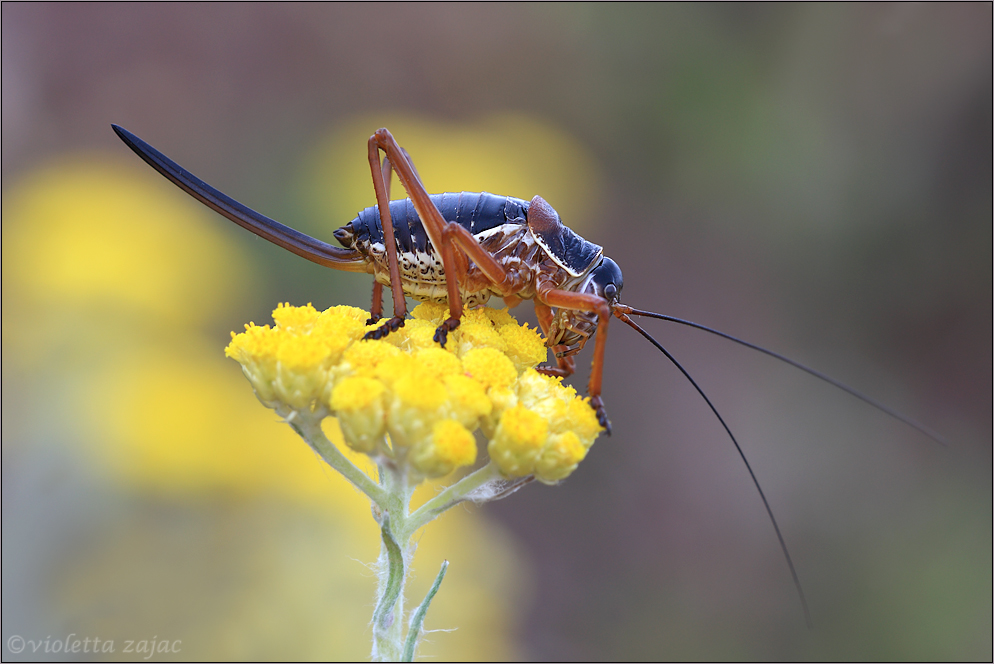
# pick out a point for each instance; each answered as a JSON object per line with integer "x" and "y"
{"x": 391, "y": 325}
{"x": 373, "y": 320}
{"x": 598, "y": 405}
{"x": 442, "y": 333}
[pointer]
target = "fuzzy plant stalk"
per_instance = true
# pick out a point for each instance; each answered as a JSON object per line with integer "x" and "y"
{"x": 414, "y": 408}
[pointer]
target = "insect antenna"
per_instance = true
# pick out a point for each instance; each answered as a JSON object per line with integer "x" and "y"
{"x": 783, "y": 545}
{"x": 921, "y": 428}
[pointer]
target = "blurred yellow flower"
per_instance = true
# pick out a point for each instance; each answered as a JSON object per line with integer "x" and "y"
{"x": 88, "y": 234}
{"x": 172, "y": 421}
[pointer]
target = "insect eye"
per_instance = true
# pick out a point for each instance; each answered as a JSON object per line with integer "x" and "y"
{"x": 610, "y": 291}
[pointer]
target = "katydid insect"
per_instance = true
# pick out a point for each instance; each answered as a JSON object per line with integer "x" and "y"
{"x": 462, "y": 248}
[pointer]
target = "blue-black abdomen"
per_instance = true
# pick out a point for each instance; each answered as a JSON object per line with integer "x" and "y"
{"x": 476, "y": 212}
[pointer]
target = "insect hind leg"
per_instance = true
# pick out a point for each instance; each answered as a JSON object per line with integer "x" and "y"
{"x": 433, "y": 224}
{"x": 381, "y": 185}
{"x": 376, "y": 308}
{"x": 455, "y": 244}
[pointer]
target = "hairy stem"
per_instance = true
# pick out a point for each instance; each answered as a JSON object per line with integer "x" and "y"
{"x": 387, "y": 617}
{"x": 391, "y": 498}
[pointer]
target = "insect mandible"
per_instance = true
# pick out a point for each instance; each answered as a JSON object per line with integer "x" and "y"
{"x": 492, "y": 245}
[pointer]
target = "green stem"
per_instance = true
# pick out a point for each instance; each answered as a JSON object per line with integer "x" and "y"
{"x": 387, "y": 622}
{"x": 392, "y": 496}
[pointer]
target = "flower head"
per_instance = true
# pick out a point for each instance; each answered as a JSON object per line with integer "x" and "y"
{"x": 407, "y": 399}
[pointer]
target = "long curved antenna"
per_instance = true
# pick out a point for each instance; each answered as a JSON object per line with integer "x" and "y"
{"x": 766, "y": 504}
{"x": 921, "y": 428}
{"x": 303, "y": 245}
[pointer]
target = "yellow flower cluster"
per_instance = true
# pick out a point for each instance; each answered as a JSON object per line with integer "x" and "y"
{"x": 406, "y": 398}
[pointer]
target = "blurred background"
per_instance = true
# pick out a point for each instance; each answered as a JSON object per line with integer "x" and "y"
{"x": 814, "y": 178}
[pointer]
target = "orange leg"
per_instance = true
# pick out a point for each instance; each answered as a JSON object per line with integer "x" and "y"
{"x": 430, "y": 218}
{"x": 554, "y": 297}
{"x": 376, "y": 309}
{"x": 381, "y": 180}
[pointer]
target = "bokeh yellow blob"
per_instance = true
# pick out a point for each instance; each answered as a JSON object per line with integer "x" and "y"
{"x": 264, "y": 580}
{"x": 230, "y": 580}
{"x": 178, "y": 420}
{"x": 89, "y": 240}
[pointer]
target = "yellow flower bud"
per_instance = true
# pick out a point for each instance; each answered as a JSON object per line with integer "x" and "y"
{"x": 450, "y": 446}
{"x": 523, "y": 346}
{"x": 477, "y": 336}
{"x": 518, "y": 442}
{"x": 432, "y": 312}
{"x": 414, "y": 335}
{"x": 438, "y": 361}
{"x": 417, "y": 404}
{"x": 468, "y": 401}
{"x": 295, "y": 319}
{"x": 559, "y": 458}
{"x": 255, "y": 349}
{"x": 301, "y": 369}
{"x": 584, "y": 421}
{"x": 490, "y": 367}
{"x": 498, "y": 317}
{"x": 358, "y": 401}
{"x": 363, "y": 357}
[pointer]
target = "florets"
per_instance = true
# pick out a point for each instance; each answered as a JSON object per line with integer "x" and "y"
{"x": 407, "y": 399}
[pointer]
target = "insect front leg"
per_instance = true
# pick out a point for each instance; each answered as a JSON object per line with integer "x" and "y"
{"x": 565, "y": 366}
{"x": 554, "y": 297}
